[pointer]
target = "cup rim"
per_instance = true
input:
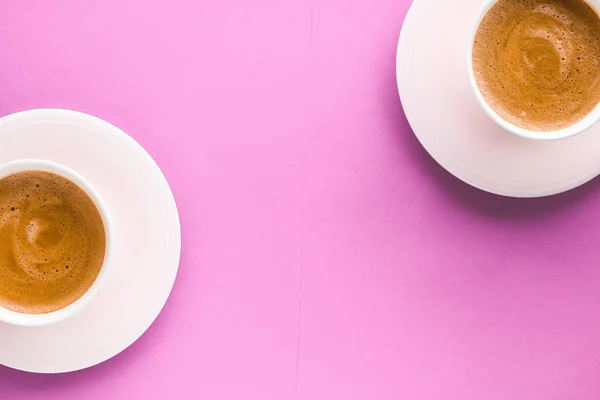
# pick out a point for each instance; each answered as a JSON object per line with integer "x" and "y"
{"x": 24, "y": 319}
{"x": 572, "y": 130}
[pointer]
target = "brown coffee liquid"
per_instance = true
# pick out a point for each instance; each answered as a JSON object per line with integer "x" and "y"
{"x": 52, "y": 242}
{"x": 537, "y": 62}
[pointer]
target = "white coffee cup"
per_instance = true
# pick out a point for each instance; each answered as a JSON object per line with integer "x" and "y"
{"x": 578, "y": 127}
{"x": 22, "y": 319}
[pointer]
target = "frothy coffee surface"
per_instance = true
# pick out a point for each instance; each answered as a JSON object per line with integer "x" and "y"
{"x": 52, "y": 242}
{"x": 537, "y": 62}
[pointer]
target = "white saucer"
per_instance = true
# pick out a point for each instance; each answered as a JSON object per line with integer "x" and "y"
{"x": 446, "y": 118}
{"x": 146, "y": 246}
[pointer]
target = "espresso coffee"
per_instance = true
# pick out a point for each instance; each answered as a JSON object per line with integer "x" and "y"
{"x": 537, "y": 62}
{"x": 52, "y": 242}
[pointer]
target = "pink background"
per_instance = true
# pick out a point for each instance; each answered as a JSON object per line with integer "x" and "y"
{"x": 325, "y": 255}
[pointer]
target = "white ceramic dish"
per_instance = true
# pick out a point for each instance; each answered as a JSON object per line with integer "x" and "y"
{"x": 448, "y": 121}
{"x": 146, "y": 240}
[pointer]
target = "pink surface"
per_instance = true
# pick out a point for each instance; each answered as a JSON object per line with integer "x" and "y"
{"x": 325, "y": 255}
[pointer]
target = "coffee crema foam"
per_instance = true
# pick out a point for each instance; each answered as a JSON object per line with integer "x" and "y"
{"x": 52, "y": 242}
{"x": 537, "y": 62}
